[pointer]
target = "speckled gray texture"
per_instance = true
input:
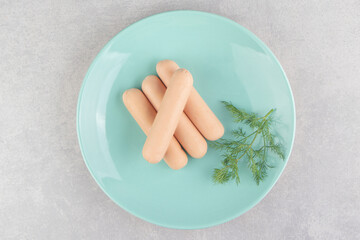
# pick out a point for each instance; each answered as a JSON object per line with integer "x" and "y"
{"x": 46, "y": 192}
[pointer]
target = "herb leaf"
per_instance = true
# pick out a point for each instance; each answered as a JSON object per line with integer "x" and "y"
{"x": 242, "y": 146}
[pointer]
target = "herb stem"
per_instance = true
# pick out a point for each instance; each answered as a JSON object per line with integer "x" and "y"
{"x": 257, "y": 132}
{"x": 248, "y": 136}
{"x": 268, "y": 113}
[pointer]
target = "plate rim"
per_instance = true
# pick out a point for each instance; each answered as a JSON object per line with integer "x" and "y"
{"x": 253, "y": 37}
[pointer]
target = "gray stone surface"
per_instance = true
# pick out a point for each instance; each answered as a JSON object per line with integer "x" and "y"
{"x": 46, "y": 191}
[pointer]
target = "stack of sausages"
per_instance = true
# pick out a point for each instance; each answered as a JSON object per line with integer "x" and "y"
{"x": 171, "y": 112}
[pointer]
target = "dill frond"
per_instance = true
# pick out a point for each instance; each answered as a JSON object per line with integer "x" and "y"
{"x": 242, "y": 147}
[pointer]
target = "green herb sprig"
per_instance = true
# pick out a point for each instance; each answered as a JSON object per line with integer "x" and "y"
{"x": 243, "y": 146}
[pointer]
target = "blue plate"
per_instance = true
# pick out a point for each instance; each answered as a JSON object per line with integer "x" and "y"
{"x": 228, "y": 63}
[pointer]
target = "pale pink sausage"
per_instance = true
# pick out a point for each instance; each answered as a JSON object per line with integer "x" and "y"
{"x": 144, "y": 114}
{"x": 168, "y": 116}
{"x": 186, "y": 133}
{"x": 196, "y": 108}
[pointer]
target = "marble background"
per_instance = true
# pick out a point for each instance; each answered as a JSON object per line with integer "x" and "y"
{"x": 46, "y": 192}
